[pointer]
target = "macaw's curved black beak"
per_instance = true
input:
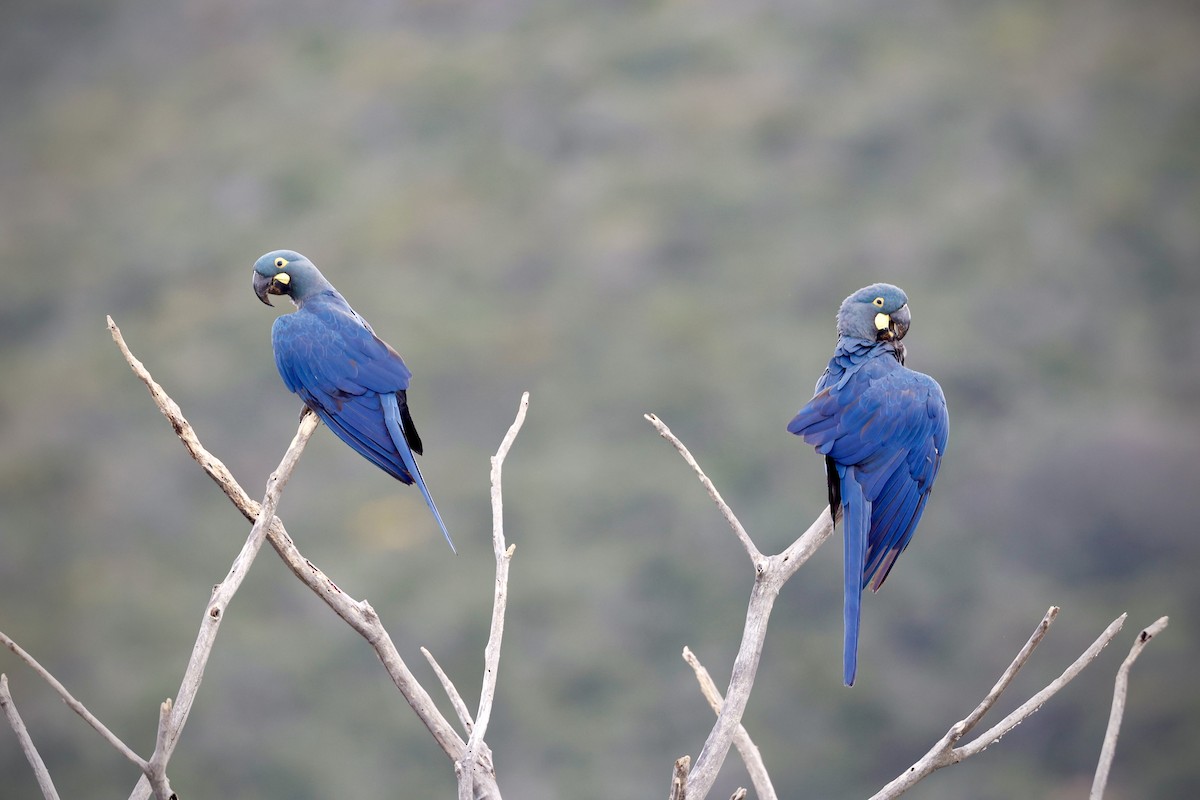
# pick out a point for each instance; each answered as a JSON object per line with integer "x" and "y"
{"x": 262, "y": 286}
{"x": 901, "y": 319}
{"x": 892, "y": 327}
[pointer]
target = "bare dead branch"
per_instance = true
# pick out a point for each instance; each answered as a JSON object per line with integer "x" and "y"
{"x": 796, "y": 554}
{"x": 460, "y": 708}
{"x": 1027, "y": 709}
{"x": 31, "y": 752}
{"x": 76, "y": 706}
{"x": 943, "y": 754}
{"x": 751, "y": 757}
{"x": 503, "y": 554}
{"x": 756, "y": 556}
{"x": 1120, "y": 691}
{"x": 174, "y": 714}
{"x": 968, "y": 723}
{"x": 358, "y": 614}
{"x": 770, "y": 574}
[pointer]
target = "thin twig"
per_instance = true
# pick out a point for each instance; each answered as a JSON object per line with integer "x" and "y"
{"x": 968, "y": 723}
{"x": 45, "y": 783}
{"x": 756, "y": 556}
{"x": 503, "y": 554}
{"x": 943, "y": 753}
{"x": 1120, "y": 691}
{"x": 751, "y": 757}
{"x": 460, "y": 708}
{"x": 74, "y": 704}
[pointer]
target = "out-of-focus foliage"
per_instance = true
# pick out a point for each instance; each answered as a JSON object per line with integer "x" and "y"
{"x": 622, "y": 207}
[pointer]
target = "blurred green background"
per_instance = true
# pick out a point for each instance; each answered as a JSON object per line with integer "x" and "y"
{"x": 622, "y": 207}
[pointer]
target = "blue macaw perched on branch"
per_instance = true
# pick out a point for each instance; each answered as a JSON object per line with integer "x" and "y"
{"x": 354, "y": 381}
{"x": 882, "y": 429}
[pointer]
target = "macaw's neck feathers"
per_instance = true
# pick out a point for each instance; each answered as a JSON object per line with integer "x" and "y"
{"x": 308, "y": 283}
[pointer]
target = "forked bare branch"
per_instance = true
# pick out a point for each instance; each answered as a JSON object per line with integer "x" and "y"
{"x": 770, "y": 574}
{"x": 944, "y": 753}
{"x": 359, "y": 615}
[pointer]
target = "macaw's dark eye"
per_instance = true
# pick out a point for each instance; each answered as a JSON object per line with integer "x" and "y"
{"x": 282, "y": 262}
{"x": 878, "y": 301}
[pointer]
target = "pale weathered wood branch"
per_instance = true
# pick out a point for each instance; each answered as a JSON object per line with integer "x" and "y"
{"x": 358, "y": 614}
{"x": 460, "y": 708}
{"x": 45, "y": 783}
{"x": 1120, "y": 692}
{"x": 491, "y": 655}
{"x": 1030, "y": 706}
{"x": 76, "y": 706}
{"x": 770, "y": 574}
{"x": 751, "y": 757}
{"x": 173, "y": 715}
{"x": 944, "y": 753}
{"x": 752, "y": 550}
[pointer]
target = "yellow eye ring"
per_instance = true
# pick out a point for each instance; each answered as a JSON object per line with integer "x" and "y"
{"x": 282, "y": 262}
{"x": 878, "y": 302}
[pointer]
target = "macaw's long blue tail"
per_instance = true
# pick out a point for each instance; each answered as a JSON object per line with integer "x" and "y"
{"x": 391, "y": 416}
{"x": 856, "y": 523}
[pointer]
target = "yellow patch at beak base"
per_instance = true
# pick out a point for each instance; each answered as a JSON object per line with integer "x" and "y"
{"x": 882, "y": 321}
{"x": 285, "y": 279}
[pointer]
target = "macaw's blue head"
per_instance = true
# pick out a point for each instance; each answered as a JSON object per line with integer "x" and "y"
{"x": 289, "y": 273}
{"x": 877, "y": 313}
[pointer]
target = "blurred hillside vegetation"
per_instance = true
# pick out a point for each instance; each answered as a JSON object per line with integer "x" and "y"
{"x": 622, "y": 207}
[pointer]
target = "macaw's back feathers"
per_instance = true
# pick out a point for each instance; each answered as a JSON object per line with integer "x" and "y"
{"x": 882, "y": 429}
{"x": 329, "y": 356}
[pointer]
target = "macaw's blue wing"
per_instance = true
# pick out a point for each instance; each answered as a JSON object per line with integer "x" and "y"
{"x": 882, "y": 429}
{"x": 356, "y": 384}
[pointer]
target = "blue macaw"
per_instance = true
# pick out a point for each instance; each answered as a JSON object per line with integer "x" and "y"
{"x": 882, "y": 429}
{"x": 354, "y": 381}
